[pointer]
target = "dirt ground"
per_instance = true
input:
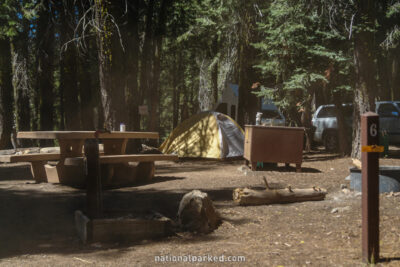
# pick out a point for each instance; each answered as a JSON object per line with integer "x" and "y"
{"x": 37, "y": 220}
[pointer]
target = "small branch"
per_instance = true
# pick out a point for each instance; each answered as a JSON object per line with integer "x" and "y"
{"x": 266, "y": 183}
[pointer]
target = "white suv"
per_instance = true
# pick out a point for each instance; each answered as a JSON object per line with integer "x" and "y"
{"x": 324, "y": 121}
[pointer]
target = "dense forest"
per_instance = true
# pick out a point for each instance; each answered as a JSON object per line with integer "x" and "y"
{"x": 89, "y": 64}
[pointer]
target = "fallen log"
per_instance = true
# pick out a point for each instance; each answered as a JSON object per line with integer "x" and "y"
{"x": 246, "y": 196}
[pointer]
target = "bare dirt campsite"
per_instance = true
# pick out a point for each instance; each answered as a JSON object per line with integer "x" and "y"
{"x": 37, "y": 219}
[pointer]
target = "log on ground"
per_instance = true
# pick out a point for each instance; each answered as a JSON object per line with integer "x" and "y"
{"x": 247, "y": 196}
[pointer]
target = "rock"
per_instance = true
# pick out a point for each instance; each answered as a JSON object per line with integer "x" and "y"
{"x": 49, "y": 150}
{"x": 343, "y": 186}
{"x": 346, "y": 190}
{"x": 243, "y": 168}
{"x": 149, "y": 150}
{"x": 335, "y": 210}
{"x": 391, "y": 194}
{"x": 345, "y": 208}
{"x": 397, "y": 194}
{"x": 197, "y": 213}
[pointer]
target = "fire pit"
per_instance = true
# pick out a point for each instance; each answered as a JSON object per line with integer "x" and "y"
{"x": 389, "y": 179}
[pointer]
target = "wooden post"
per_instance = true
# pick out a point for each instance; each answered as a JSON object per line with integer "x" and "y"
{"x": 370, "y": 188}
{"x": 94, "y": 196}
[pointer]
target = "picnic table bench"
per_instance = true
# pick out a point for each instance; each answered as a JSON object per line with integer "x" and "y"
{"x": 117, "y": 167}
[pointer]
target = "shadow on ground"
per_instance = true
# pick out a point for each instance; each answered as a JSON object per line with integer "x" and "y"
{"x": 16, "y": 172}
{"x": 40, "y": 220}
{"x": 277, "y": 168}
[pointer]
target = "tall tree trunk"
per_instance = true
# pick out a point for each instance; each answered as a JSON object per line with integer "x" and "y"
{"x": 214, "y": 72}
{"x": 384, "y": 91}
{"x": 364, "y": 93}
{"x": 176, "y": 87}
{"x": 248, "y": 102}
{"x": 154, "y": 123}
{"x": 145, "y": 70}
{"x": 112, "y": 83}
{"x": 87, "y": 92}
{"x": 132, "y": 65}
{"x": 6, "y": 94}
{"x": 88, "y": 84}
{"x": 395, "y": 72}
{"x": 22, "y": 81}
{"x": 344, "y": 144}
{"x": 45, "y": 69}
{"x": 306, "y": 122}
{"x": 243, "y": 84}
{"x": 132, "y": 40}
{"x": 68, "y": 68}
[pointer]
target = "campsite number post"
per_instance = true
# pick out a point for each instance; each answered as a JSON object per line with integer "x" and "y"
{"x": 370, "y": 186}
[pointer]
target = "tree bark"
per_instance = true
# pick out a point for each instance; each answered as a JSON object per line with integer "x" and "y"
{"x": 87, "y": 90}
{"x": 133, "y": 99}
{"x": 132, "y": 65}
{"x": 384, "y": 88}
{"x": 112, "y": 84}
{"x": 365, "y": 71}
{"x": 68, "y": 69}
{"x": 306, "y": 122}
{"x": 88, "y": 81}
{"x": 214, "y": 71}
{"x": 176, "y": 87}
{"x": 6, "y": 94}
{"x": 344, "y": 144}
{"x": 22, "y": 81}
{"x": 145, "y": 70}
{"x": 154, "y": 123}
{"x": 45, "y": 69}
{"x": 343, "y": 129}
{"x": 243, "y": 84}
{"x": 395, "y": 72}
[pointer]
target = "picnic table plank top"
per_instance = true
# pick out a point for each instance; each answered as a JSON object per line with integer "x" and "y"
{"x": 86, "y": 135}
{"x": 112, "y": 159}
{"x": 29, "y": 157}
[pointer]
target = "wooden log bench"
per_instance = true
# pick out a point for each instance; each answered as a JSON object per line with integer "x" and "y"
{"x": 37, "y": 161}
{"x": 121, "y": 170}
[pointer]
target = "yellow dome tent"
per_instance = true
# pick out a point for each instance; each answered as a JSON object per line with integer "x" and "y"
{"x": 206, "y": 135}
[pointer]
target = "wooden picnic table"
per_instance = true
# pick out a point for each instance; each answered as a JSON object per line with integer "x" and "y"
{"x": 116, "y": 168}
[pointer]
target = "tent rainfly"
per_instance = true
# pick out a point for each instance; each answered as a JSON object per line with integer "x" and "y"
{"x": 206, "y": 135}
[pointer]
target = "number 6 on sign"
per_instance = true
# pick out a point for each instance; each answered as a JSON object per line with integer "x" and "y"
{"x": 372, "y": 130}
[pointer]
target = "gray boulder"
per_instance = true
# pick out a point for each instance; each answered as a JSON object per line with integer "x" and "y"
{"x": 197, "y": 213}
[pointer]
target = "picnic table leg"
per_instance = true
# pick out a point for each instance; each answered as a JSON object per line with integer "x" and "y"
{"x": 298, "y": 167}
{"x": 114, "y": 146}
{"x": 145, "y": 171}
{"x": 70, "y": 174}
{"x": 38, "y": 171}
{"x": 94, "y": 194}
{"x": 253, "y": 165}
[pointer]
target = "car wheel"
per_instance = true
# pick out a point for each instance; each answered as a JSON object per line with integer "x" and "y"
{"x": 331, "y": 141}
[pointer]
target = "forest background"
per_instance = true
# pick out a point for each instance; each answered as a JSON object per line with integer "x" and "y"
{"x": 89, "y": 64}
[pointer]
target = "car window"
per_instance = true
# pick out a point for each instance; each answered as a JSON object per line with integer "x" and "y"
{"x": 327, "y": 112}
{"x": 270, "y": 114}
{"x": 387, "y": 110}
